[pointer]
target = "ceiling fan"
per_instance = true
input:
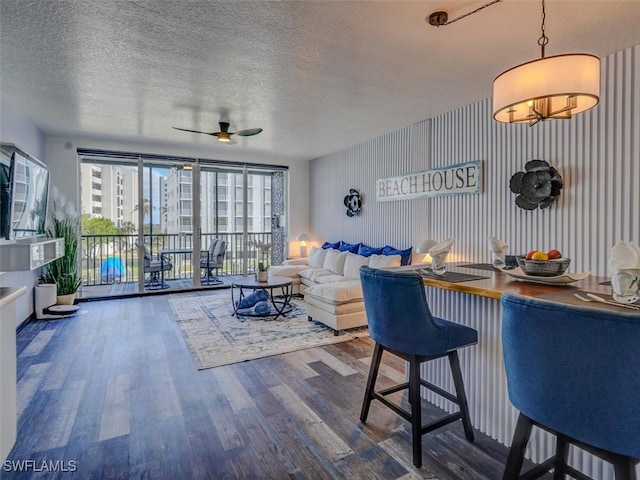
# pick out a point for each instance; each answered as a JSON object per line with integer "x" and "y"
{"x": 224, "y": 135}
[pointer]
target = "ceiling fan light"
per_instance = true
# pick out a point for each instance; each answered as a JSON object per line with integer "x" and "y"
{"x": 550, "y": 87}
{"x": 224, "y": 137}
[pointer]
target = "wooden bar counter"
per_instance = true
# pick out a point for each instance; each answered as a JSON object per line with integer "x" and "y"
{"x": 499, "y": 282}
{"x": 476, "y": 303}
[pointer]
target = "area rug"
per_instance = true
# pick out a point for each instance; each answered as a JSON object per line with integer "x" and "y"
{"x": 215, "y": 337}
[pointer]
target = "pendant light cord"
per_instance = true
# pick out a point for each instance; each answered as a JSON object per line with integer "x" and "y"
{"x": 543, "y": 40}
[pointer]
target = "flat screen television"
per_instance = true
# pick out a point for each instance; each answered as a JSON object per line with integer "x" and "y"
{"x": 24, "y": 193}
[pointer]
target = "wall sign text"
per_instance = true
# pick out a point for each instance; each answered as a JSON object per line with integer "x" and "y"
{"x": 460, "y": 179}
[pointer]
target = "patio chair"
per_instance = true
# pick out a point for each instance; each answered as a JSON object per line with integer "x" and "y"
{"x": 154, "y": 268}
{"x": 213, "y": 258}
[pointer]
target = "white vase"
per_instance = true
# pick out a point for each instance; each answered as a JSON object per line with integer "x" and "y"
{"x": 262, "y": 276}
{"x": 66, "y": 299}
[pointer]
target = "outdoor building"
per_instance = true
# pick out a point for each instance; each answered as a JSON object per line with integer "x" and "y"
{"x": 109, "y": 191}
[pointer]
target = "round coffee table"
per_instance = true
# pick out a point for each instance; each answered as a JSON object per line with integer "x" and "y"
{"x": 281, "y": 304}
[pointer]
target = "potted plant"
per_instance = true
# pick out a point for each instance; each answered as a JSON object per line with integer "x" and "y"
{"x": 64, "y": 272}
{"x": 261, "y": 274}
{"x": 262, "y": 250}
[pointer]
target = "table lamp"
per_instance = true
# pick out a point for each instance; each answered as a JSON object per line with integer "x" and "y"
{"x": 302, "y": 238}
{"x": 424, "y": 248}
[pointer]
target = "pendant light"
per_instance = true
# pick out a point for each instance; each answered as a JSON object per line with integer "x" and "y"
{"x": 551, "y": 87}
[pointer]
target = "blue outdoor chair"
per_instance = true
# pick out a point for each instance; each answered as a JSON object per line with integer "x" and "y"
{"x": 573, "y": 371}
{"x": 401, "y": 323}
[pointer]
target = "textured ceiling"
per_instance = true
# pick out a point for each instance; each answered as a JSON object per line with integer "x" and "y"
{"x": 317, "y": 76}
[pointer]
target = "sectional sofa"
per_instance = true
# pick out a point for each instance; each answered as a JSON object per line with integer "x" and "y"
{"x": 329, "y": 279}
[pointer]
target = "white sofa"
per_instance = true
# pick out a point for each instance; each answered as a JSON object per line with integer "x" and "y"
{"x": 330, "y": 282}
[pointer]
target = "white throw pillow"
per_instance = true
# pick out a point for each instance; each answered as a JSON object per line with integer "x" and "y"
{"x": 316, "y": 257}
{"x": 334, "y": 261}
{"x": 352, "y": 265}
{"x": 383, "y": 261}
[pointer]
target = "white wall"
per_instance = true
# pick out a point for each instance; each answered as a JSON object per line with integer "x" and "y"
{"x": 597, "y": 154}
{"x": 17, "y": 128}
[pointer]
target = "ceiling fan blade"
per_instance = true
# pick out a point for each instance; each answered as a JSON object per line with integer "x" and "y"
{"x": 248, "y": 133}
{"x": 196, "y": 131}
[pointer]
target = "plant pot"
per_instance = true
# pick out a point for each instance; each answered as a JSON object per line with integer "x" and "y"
{"x": 45, "y": 296}
{"x": 262, "y": 276}
{"x": 66, "y": 299}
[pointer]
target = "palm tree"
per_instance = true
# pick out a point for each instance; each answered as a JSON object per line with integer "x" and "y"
{"x": 128, "y": 228}
{"x": 146, "y": 211}
{"x": 146, "y": 207}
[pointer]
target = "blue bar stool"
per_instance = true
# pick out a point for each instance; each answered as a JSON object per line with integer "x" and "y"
{"x": 401, "y": 323}
{"x": 573, "y": 371}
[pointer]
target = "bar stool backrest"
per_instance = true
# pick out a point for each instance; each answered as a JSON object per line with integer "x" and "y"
{"x": 398, "y": 314}
{"x": 575, "y": 369}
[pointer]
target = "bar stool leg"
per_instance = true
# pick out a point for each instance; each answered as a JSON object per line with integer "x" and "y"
{"x": 518, "y": 447}
{"x": 562, "y": 452}
{"x": 371, "y": 382}
{"x": 454, "y": 362}
{"x": 416, "y": 410}
{"x": 625, "y": 468}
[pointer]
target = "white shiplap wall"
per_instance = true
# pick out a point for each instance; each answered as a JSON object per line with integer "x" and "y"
{"x": 598, "y": 155}
{"x": 391, "y": 223}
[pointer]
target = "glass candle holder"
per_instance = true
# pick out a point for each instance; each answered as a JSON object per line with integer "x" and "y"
{"x": 625, "y": 284}
{"x": 438, "y": 263}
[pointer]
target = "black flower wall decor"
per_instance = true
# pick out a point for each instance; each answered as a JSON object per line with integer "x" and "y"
{"x": 538, "y": 186}
{"x": 353, "y": 202}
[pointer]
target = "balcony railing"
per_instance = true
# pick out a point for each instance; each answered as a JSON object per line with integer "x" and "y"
{"x": 108, "y": 259}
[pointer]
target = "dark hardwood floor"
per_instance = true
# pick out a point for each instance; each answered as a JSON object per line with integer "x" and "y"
{"x": 113, "y": 393}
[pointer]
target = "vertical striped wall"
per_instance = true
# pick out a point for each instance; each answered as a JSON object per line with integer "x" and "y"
{"x": 358, "y": 167}
{"x": 598, "y": 155}
{"x": 596, "y": 152}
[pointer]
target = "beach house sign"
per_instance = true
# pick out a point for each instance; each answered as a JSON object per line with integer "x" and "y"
{"x": 459, "y": 179}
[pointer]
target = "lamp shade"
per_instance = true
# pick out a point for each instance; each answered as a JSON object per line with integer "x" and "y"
{"x": 303, "y": 238}
{"x": 550, "y": 87}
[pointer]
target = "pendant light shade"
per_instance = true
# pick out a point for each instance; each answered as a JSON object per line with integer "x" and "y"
{"x": 551, "y": 87}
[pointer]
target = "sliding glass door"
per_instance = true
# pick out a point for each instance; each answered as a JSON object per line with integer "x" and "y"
{"x": 236, "y": 209}
{"x": 152, "y": 224}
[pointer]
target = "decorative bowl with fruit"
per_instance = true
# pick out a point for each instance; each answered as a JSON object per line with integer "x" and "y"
{"x": 543, "y": 264}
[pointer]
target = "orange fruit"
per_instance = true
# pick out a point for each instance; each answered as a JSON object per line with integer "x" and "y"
{"x": 553, "y": 254}
{"x": 539, "y": 256}
{"x": 530, "y": 254}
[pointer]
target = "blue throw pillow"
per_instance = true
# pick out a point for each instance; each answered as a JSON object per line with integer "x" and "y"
{"x": 349, "y": 247}
{"x": 336, "y": 245}
{"x": 404, "y": 254}
{"x": 262, "y": 307}
{"x": 250, "y": 300}
{"x": 367, "y": 251}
